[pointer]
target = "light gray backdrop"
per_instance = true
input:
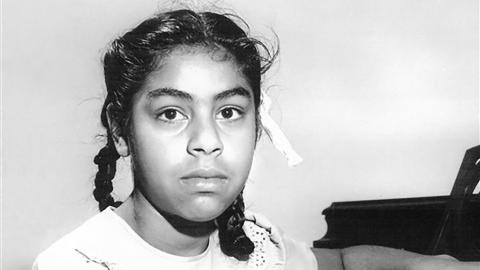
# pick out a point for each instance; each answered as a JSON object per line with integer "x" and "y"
{"x": 379, "y": 97}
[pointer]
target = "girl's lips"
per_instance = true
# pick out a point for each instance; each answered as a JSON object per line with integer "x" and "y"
{"x": 205, "y": 180}
{"x": 205, "y": 173}
{"x": 204, "y": 185}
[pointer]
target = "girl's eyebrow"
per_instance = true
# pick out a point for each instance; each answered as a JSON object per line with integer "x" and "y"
{"x": 166, "y": 91}
{"x": 233, "y": 92}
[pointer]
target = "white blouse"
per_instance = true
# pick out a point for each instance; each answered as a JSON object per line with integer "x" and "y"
{"x": 107, "y": 242}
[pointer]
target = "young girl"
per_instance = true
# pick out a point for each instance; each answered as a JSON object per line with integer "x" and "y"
{"x": 184, "y": 92}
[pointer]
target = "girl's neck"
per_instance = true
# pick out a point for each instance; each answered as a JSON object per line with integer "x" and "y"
{"x": 165, "y": 232}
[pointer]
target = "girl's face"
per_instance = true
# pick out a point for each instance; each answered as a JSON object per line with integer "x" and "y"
{"x": 193, "y": 134}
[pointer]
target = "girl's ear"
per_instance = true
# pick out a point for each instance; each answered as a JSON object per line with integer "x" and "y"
{"x": 120, "y": 141}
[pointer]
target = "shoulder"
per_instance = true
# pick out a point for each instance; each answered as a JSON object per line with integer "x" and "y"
{"x": 272, "y": 245}
{"x": 78, "y": 249}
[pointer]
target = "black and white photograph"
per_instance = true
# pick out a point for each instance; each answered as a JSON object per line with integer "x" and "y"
{"x": 222, "y": 134}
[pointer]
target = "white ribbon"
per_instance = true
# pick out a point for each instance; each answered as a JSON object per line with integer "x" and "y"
{"x": 275, "y": 134}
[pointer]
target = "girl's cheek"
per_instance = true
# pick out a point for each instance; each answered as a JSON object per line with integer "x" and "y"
{"x": 242, "y": 138}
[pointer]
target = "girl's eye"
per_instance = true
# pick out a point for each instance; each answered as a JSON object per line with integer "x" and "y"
{"x": 230, "y": 114}
{"x": 171, "y": 115}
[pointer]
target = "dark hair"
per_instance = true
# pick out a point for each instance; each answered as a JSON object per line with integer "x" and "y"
{"x": 137, "y": 53}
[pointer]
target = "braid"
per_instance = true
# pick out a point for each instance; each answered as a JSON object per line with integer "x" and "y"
{"x": 106, "y": 159}
{"x": 233, "y": 240}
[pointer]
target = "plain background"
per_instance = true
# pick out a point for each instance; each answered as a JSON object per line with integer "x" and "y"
{"x": 379, "y": 97}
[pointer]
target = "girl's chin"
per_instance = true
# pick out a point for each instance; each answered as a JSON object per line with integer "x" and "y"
{"x": 205, "y": 211}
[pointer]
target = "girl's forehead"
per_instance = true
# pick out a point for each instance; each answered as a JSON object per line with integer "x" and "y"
{"x": 197, "y": 56}
{"x": 216, "y": 52}
{"x": 197, "y": 71}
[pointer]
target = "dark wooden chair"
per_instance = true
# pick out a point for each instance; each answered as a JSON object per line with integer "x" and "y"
{"x": 427, "y": 225}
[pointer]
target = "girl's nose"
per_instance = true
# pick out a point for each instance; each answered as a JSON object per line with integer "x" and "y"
{"x": 205, "y": 139}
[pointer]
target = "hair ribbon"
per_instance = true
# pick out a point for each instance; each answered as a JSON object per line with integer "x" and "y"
{"x": 275, "y": 134}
